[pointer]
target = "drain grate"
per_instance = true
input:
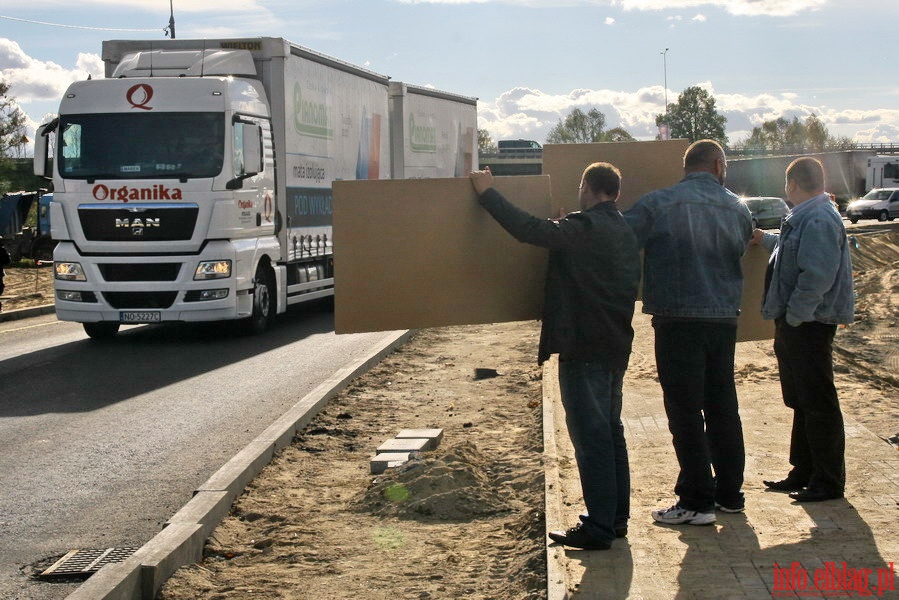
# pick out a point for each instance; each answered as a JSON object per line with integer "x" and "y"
{"x": 84, "y": 563}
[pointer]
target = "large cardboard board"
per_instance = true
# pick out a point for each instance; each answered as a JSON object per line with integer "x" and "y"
{"x": 423, "y": 253}
{"x": 644, "y": 166}
{"x": 751, "y": 325}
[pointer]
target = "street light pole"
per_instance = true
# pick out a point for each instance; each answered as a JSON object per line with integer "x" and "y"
{"x": 171, "y": 28}
{"x": 664, "y": 54}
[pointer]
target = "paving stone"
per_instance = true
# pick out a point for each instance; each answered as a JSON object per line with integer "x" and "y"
{"x": 434, "y": 435}
{"x": 404, "y": 445}
{"x": 385, "y": 460}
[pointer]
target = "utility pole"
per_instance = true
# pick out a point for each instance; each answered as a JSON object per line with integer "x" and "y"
{"x": 171, "y": 28}
{"x": 664, "y": 54}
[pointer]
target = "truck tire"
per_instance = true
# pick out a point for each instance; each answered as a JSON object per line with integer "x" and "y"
{"x": 101, "y": 330}
{"x": 853, "y": 220}
{"x": 263, "y": 301}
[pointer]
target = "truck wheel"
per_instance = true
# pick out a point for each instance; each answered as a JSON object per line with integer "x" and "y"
{"x": 102, "y": 330}
{"x": 853, "y": 220}
{"x": 263, "y": 301}
{"x": 883, "y": 216}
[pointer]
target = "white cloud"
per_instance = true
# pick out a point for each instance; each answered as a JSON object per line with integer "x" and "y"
{"x": 609, "y": 21}
{"x": 30, "y": 79}
{"x": 773, "y": 8}
{"x": 530, "y": 113}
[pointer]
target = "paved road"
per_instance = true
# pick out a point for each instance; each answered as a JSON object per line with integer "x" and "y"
{"x": 100, "y": 443}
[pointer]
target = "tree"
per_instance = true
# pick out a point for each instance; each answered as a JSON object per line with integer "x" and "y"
{"x": 781, "y": 134}
{"x": 12, "y": 125}
{"x": 583, "y": 128}
{"x": 485, "y": 142}
{"x": 694, "y": 117}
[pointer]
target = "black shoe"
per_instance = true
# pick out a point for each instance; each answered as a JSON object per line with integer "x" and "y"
{"x": 785, "y": 485}
{"x": 576, "y": 537}
{"x": 813, "y": 495}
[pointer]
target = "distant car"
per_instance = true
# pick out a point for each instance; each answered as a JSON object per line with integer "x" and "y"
{"x": 767, "y": 211}
{"x": 881, "y": 204}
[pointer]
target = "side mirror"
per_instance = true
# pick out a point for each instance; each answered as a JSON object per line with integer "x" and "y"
{"x": 248, "y": 162}
{"x": 252, "y": 149}
{"x": 41, "y": 149}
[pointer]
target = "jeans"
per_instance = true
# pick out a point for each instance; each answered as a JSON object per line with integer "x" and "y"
{"x": 591, "y": 396}
{"x": 818, "y": 441}
{"x": 695, "y": 362}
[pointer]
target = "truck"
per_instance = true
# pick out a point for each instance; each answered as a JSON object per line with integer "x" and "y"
{"x": 882, "y": 172}
{"x": 21, "y": 238}
{"x": 193, "y": 182}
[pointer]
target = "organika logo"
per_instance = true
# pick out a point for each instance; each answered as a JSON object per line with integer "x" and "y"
{"x": 311, "y": 118}
{"x": 422, "y": 139}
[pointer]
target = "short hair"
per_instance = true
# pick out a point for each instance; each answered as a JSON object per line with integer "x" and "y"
{"x": 808, "y": 173}
{"x": 701, "y": 154}
{"x": 603, "y": 178}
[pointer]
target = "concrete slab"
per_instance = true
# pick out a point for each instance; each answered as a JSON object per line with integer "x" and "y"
{"x": 435, "y": 435}
{"x": 386, "y": 460}
{"x": 116, "y": 581}
{"x": 175, "y": 546}
{"x": 205, "y": 508}
{"x": 404, "y": 445}
{"x": 235, "y": 474}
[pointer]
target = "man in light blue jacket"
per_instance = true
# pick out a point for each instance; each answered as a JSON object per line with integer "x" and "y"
{"x": 808, "y": 293}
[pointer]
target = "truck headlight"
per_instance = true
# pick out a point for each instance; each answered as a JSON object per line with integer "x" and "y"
{"x": 69, "y": 271}
{"x": 213, "y": 269}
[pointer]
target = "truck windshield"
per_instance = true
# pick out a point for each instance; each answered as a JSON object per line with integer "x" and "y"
{"x": 145, "y": 146}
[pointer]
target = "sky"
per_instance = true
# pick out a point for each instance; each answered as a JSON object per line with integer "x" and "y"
{"x": 528, "y": 62}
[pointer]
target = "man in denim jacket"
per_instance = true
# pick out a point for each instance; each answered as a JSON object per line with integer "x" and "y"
{"x": 694, "y": 235}
{"x": 808, "y": 293}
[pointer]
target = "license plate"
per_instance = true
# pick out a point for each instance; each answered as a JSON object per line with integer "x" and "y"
{"x": 140, "y": 316}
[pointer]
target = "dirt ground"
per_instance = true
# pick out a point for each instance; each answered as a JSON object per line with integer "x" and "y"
{"x": 465, "y": 521}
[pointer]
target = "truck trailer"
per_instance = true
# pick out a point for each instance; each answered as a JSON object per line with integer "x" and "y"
{"x": 193, "y": 182}
{"x": 882, "y": 172}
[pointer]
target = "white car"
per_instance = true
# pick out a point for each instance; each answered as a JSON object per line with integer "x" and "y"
{"x": 881, "y": 204}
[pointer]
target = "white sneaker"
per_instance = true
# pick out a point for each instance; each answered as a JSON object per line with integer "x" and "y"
{"x": 678, "y": 516}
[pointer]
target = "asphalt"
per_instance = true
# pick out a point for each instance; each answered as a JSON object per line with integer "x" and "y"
{"x": 735, "y": 557}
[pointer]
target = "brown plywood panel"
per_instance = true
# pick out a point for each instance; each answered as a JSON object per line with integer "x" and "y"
{"x": 644, "y": 166}
{"x": 751, "y": 325}
{"x": 423, "y": 253}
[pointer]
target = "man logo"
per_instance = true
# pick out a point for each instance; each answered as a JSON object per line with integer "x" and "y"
{"x": 137, "y": 225}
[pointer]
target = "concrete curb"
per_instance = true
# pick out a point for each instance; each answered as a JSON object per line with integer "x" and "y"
{"x": 181, "y": 540}
{"x": 556, "y": 573}
{"x": 27, "y": 313}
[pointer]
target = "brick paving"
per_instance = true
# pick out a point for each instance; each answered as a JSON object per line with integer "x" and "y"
{"x": 736, "y": 557}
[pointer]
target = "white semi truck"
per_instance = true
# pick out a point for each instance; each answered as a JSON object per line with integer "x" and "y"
{"x": 193, "y": 182}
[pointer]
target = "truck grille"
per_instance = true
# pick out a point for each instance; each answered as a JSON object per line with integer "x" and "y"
{"x": 140, "y": 222}
{"x": 140, "y": 272}
{"x": 140, "y": 299}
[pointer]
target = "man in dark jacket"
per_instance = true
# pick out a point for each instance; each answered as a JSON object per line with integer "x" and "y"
{"x": 591, "y": 287}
